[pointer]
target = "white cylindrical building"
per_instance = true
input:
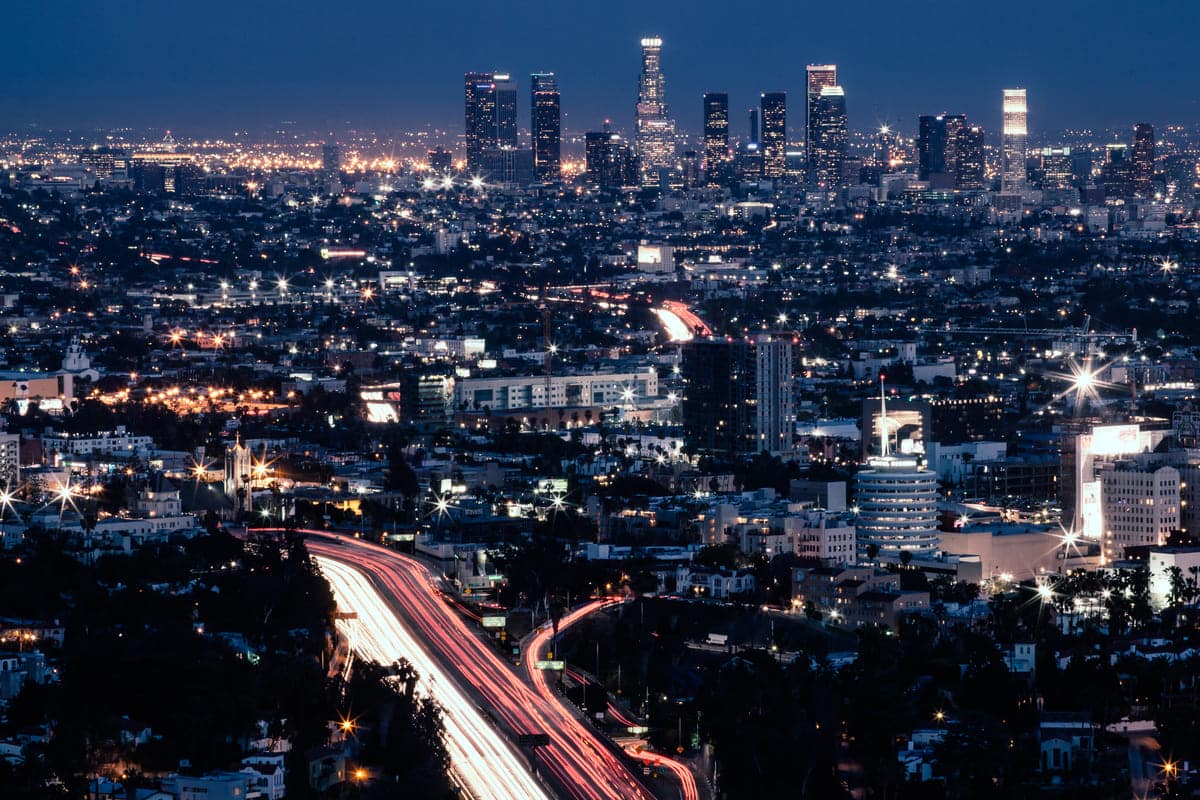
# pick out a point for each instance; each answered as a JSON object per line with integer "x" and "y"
{"x": 897, "y": 509}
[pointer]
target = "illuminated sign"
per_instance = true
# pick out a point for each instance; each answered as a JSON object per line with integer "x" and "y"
{"x": 494, "y": 621}
{"x": 1116, "y": 440}
{"x": 553, "y": 665}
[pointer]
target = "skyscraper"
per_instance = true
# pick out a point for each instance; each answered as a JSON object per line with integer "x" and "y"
{"x": 774, "y": 134}
{"x": 331, "y": 162}
{"x": 655, "y": 131}
{"x": 949, "y": 153}
{"x": 1057, "y": 172}
{"x": 897, "y": 503}
{"x": 739, "y": 395}
{"x": 969, "y": 173}
{"x": 829, "y": 137}
{"x": 1012, "y": 173}
{"x": 506, "y": 110}
{"x": 480, "y": 123}
{"x": 819, "y": 76}
{"x": 753, "y": 113}
{"x": 1143, "y": 159}
{"x": 609, "y": 160}
{"x": 716, "y": 137}
{"x": 546, "y": 126}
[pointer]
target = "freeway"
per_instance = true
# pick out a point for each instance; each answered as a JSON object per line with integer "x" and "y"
{"x": 539, "y": 644}
{"x": 575, "y": 761}
{"x": 481, "y": 760}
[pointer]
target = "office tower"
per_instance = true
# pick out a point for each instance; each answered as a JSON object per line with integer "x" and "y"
{"x": 754, "y": 136}
{"x": 1118, "y": 171}
{"x": 829, "y": 137}
{"x": 940, "y": 142}
{"x": 931, "y": 146}
{"x": 738, "y": 400}
{"x": 774, "y": 134}
{"x": 716, "y": 138}
{"x": 331, "y": 161}
{"x": 970, "y": 168}
{"x": 1056, "y": 167}
{"x": 546, "y": 126}
{"x": 1143, "y": 159}
{"x": 609, "y": 161}
{"x": 655, "y": 131}
{"x": 506, "y": 110}
{"x": 1015, "y": 109}
{"x": 440, "y": 159}
{"x": 480, "y": 97}
{"x": 818, "y": 77}
{"x": 507, "y": 165}
{"x": 897, "y": 502}
{"x": 887, "y": 143}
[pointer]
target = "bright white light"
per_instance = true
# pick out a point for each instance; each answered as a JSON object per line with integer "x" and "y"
{"x": 677, "y": 330}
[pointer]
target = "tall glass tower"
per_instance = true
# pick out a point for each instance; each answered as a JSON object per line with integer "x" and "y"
{"x": 829, "y": 138}
{"x": 480, "y": 106}
{"x": 546, "y": 126}
{"x": 819, "y": 76}
{"x": 774, "y": 134}
{"x": 1016, "y": 111}
{"x": 655, "y": 136}
{"x": 506, "y": 110}
{"x": 716, "y": 137}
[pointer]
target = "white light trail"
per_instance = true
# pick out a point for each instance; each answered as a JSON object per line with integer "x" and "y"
{"x": 677, "y": 329}
{"x": 479, "y": 756}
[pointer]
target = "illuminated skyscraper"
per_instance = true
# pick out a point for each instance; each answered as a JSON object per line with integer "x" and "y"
{"x": 546, "y": 126}
{"x": 331, "y": 161}
{"x": 506, "y": 110}
{"x": 655, "y": 131}
{"x": 774, "y": 134}
{"x": 609, "y": 160}
{"x": 819, "y": 76}
{"x": 1016, "y": 110}
{"x": 828, "y": 123}
{"x": 480, "y": 104}
{"x": 716, "y": 137}
{"x": 949, "y": 153}
{"x": 1143, "y": 159}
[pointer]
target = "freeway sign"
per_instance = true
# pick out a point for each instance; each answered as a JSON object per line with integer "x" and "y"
{"x": 494, "y": 621}
{"x": 556, "y": 665}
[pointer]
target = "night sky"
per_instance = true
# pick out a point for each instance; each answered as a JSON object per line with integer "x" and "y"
{"x": 211, "y": 67}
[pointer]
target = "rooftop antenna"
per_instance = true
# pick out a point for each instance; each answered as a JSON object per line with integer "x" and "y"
{"x": 883, "y": 434}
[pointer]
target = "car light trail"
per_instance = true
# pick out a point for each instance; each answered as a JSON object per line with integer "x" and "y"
{"x": 538, "y": 645}
{"x": 479, "y": 757}
{"x": 578, "y": 764}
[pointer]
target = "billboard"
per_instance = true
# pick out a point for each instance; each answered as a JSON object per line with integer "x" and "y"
{"x": 1116, "y": 440}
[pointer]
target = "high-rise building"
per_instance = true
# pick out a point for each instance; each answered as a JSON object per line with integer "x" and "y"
{"x": 1015, "y": 129}
{"x": 546, "y": 126}
{"x": 716, "y": 138}
{"x": 1118, "y": 171}
{"x": 440, "y": 159}
{"x": 942, "y": 143}
{"x": 480, "y": 103}
{"x": 1056, "y": 167}
{"x": 897, "y": 503}
{"x": 970, "y": 172}
{"x": 818, "y": 77}
{"x": 754, "y": 135}
{"x": 739, "y": 395}
{"x": 829, "y": 137}
{"x": 1140, "y": 505}
{"x": 10, "y": 461}
{"x": 774, "y": 134}
{"x": 506, "y": 110}
{"x": 331, "y": 161}
{"x": 609, "y": 160}
{"x": 655, "y": 130}
{"x": 1143, "y": 159}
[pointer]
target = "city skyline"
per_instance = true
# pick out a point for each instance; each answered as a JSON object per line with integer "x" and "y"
{"x": 202, "y": 79}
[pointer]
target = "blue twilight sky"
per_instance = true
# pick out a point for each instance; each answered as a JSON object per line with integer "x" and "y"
{"x": 210, "y": 67}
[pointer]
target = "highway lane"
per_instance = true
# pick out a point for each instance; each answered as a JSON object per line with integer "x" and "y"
{"x": 575, "y": 761}
{"x": 481, "y": 759}
{"x": 536, "y": 648}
